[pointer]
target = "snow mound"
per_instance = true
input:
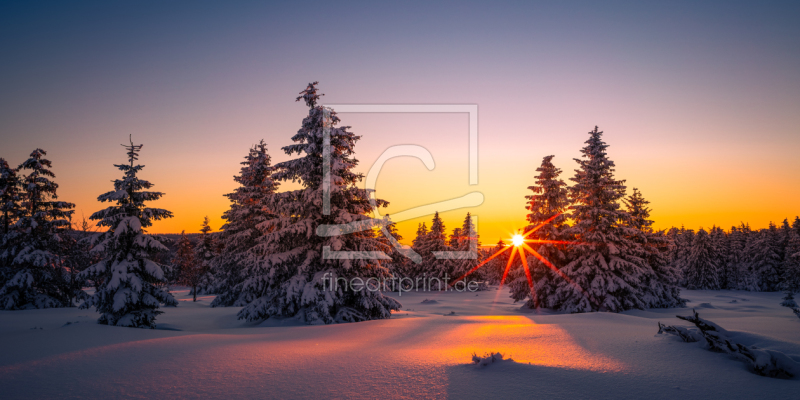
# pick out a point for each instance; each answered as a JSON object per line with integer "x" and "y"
{"x": 427, "y": 301}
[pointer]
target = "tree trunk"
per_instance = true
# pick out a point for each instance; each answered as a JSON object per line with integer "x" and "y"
{"x": 194, "y": 293}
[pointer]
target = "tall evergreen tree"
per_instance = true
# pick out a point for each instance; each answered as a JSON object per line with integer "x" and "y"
{"x": 467, "y": 242}
{"x": 294, "y": 279}
{"x": 436, "y": 240}
{"x": 791, "y": 264}
{"x": 605, "y": 273}
{"x": 546, "y": 205}
{"x": 796, "y": 224}
{"x": 419, "y": 245}
{"x": 720, "y": 247}
{"x": 495, "y": 268}
{"x": 739, "y": 238}
{"x": 33, "y": 252}
{"x": 183, "y": 262}
{"x": 399, "y": 264}
{"x": 663, "y": 291}
{"x": 763, "y": 260}
{"x": 9, "y": 196}
{"x": 242, "y": 237}
{"x": 127, "y": 293}
{"x": 455, "y": 238}
{"x": 9, "y": 212}
{"x": 683, "y": 251}
{"x": 701, "y": 272}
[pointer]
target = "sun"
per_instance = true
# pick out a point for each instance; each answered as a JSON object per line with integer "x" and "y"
{"x": 521, "y": 247}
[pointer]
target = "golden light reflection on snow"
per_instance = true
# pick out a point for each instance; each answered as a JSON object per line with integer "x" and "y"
{"x": 520, "y": 338}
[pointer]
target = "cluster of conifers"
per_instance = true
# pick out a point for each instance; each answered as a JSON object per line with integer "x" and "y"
{"x": 269, "y": 259}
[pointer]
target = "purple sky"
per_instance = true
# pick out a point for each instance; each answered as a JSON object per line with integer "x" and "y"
{"x": 699, "y": 102}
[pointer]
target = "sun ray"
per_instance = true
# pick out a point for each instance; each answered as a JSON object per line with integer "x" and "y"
{"x": 530, "y": 277}
{"x": 520, "y": 244}
{"x": 557, "y": 271}
{"x": 541, "y": 225}
{"x": 480, "y": 265}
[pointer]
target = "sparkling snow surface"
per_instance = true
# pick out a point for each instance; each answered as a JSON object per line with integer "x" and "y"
{"x": 424, "y": 351}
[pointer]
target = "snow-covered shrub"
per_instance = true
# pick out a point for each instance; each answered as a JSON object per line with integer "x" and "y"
{"x": 487, "y": 359}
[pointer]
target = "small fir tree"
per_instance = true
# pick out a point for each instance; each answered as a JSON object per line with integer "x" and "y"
{"x": 788, "y": 300}
{"x": 127, "y": 279}
{"x": 204, "y": 254}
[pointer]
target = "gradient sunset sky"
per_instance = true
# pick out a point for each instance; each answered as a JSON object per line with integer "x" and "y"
{"x": 700, "y": 102}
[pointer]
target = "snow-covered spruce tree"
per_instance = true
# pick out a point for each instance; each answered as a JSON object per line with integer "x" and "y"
{"x": 683, "y": 251}
{"x": 126, "y": 293}
{"x": 9, "y": 212}
{"x": 763, "y": 261}
{"x": 10, "y": 185}
{"x": 419, "y": 245}
{"x": 205, "y": 251}
{"x": 241, "y": 241}
{"x": 720, "y": 251}
{"x": 183, "y": 261}
{"x": 744, "y": 278}
{"x": 399, "y": 264}
{"x": 605, "y": 272}
{"x": 436, "y": 240}
{"x": 455, "y": 238}
{"x": 791, "y": 264}
{"x": 496, "y": 266}
{"x": 548, "y": 200}
{"x": 468, "y": 241}
{"x": 33, "y": 252}
{"x": 796, "y": 225}
{"x": 295, "y": 278}
{"x": 701, "y": 270}
{"x": 655, "y": 246}
{"x": 784, "y": 233}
